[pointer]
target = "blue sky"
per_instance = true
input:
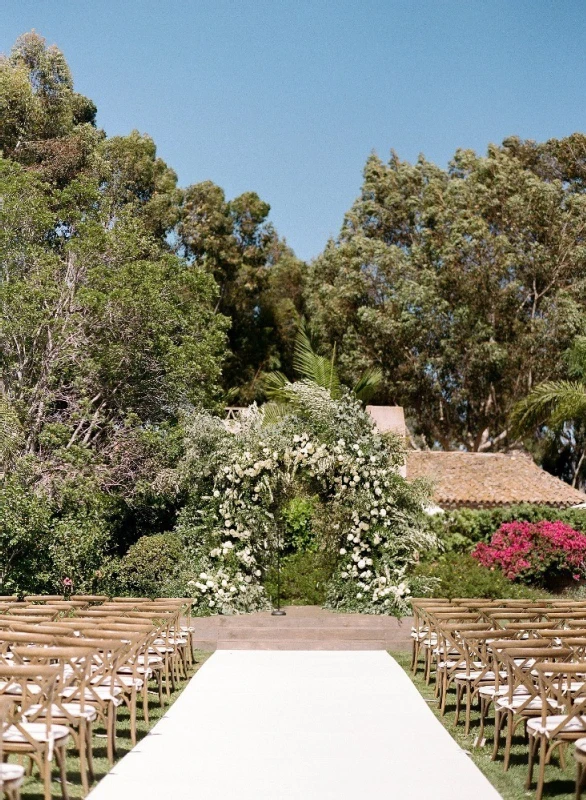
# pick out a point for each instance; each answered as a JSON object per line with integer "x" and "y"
{"x": 288, "y": 97}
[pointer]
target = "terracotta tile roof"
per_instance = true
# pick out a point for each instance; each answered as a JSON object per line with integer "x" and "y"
{"x": 489, "y": 479}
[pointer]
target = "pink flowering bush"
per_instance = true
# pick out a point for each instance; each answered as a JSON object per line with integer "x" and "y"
{"x": 535, "y": 552}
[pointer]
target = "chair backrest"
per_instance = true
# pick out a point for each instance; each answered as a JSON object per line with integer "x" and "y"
{"x": 562, "y": 689}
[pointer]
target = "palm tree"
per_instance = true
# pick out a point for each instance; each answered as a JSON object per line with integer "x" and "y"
{"x": 309, "y": 366}
{"x": 557, "y": 404}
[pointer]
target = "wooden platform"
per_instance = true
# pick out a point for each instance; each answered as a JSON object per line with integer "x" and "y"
{"x": 303, "y": 628}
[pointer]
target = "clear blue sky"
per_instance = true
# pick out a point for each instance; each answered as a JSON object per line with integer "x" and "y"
{"x": 288, "y": 97}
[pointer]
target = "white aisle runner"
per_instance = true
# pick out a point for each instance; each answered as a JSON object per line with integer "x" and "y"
{"x": 278, "y": 725}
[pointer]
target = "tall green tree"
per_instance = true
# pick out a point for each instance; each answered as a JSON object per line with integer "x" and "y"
{"x": 259, "y": 278}
{"x": 463, "y": 285}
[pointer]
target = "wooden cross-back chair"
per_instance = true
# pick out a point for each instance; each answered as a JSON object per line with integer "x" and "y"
{"x": 522, "y": 700}
{"x": 11, "y": 775}
{"x": 562, "y": 688}
{"x": 32, "y": 735}
{"x": 69, "y": 705}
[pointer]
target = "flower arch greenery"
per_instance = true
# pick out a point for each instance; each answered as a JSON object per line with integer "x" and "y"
{"x": 238, "y": 482}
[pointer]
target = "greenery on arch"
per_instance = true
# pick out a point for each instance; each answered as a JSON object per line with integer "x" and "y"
{"x": 238, "y": 484}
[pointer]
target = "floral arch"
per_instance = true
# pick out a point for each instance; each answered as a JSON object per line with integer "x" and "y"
{"x": 237, "y": 484}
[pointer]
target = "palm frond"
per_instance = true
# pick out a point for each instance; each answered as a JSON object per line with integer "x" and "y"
{"x": 274, "y": 412}
{"x": 552, "y": 402}
{"x": 272, "y": 383}
{"x": 367, "y": 384}
{"x": 313, "y": 367}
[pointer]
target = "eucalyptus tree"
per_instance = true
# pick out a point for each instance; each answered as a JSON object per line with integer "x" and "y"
{"x": 464, "y": 286}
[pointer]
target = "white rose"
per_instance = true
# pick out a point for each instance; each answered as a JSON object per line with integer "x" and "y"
{"x": 342, "y": 551}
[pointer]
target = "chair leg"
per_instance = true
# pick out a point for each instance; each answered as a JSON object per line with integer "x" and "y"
{"x": 133, "y": 716}
{"x": 60, "y": 756}
{"x": 145, "y": 701}
{"x": 46, "y": 774}
{"x": 82, "y": 739}
{"x": 542, "y": 760}
{"x": 483, "y": 713}
{"x": 578, "y": 781}
{"x": 509, "y": 740}
{"x": 468, "y": 690}
{"x": 90, "y": 752}
{"x": 498, "y": 722}
{"x": 458, "y": 702}
{"x": 532, "y": 745}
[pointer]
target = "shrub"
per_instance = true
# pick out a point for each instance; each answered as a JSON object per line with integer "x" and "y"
{"x": 149, "y": 563}
{"x": 540, "y": 552}
{"x": 460, "y": 530}
{"x": 460, "y": 575}
{"x": 304, "y": 578}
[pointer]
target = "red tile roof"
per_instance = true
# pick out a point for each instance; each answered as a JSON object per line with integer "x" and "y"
{"x": 476, "y": 480}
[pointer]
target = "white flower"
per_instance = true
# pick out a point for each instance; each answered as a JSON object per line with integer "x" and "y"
{"x": 210, "y": 584}
{"x": 203, "y": 576}
{"x": 361, "y": 564}
{"x": 342, "y": 551}
{"x": 216, "y": 493}
{"x": 359, "y": 596}
{"x": 258, "y": 573}
{"x": 383, "y": 512}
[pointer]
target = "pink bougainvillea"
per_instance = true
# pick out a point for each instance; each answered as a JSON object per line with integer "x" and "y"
{"x": 535, "y": 551}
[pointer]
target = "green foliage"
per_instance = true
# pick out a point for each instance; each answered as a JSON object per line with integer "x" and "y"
{"x": 451, "y": 282}
{"x": 297, "y": 515}
{"x": 242, "y": 486}
{"x": 459, "y": 531}
{"x": 460, "y": 575}
{"x": 304, "y": 578}
{"x": 24, "y": 519}
{"x": 149, "y": 564}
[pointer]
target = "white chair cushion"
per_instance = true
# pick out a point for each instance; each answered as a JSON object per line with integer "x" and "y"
{"x": 73, "y": 709}
{"x": 37, "y": 731}
{"x": 575, "y": 724}
{"x": 10, "y": 773}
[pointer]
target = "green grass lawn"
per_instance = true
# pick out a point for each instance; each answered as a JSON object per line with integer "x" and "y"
{"x": 33, "y": 788}
{"x": 511, "y": 784}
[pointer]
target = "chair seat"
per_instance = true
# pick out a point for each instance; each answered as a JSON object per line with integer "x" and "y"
{"x": 15, "y": 689}
{"x": 170, "y": 640}
{"x": 151, "y": 659}
{"x": 11, "y": 773}
{"x": 37, "y": 731}
{"x": 574, "y": 724}
{"x": 492, "y": 691}
{"x": 74, "y": 710}
{"x": 473, "y": 675}
{"x": 111, "y": 693}
{"x": 519, "y": 700}
{"x": 129, "y": 681}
